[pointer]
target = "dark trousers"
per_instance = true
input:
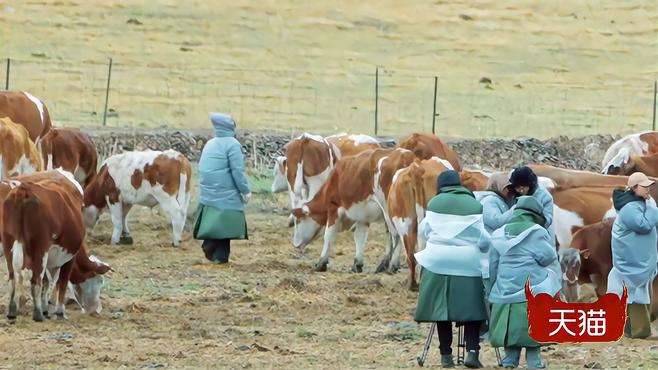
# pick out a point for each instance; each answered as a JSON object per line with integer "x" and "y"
{"x": 471, "y": 336}
{"x": 217, "y": 250}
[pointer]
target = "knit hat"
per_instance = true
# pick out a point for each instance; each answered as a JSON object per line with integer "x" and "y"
{"x": 448, "y": 178}
{"x": 524, "y": 176}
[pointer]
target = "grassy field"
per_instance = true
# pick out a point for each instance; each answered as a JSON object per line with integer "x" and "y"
{"x": 555, "y": 67}
{"x": 166, "y": 307}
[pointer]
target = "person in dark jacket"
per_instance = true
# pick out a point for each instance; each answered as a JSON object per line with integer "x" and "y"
{"x": 451, "y": 288}
{"x": 634, "y": 254}
{"x": 224, "y": 191}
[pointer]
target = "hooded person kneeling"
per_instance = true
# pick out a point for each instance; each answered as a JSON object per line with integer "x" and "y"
{"x": 521, "y": 250}
{"x": 451, "y": 288}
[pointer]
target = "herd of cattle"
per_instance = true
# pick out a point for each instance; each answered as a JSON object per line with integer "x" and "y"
{"x": 346, "y": 182}
{"x": 51, "y": 191}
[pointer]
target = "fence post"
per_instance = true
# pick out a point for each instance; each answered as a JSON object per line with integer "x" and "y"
{"x": 7, "y": 74}
{"x": 655, "y": 91}
{"x": 436, "y": 82}
{"x": 107, "y": 91}
{"x": 376, "y": 98}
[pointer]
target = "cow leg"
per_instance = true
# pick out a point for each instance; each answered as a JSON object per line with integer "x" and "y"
{"x": 125, "y": 232}
{"x": 14, "y": 260}
{"x": 62, "y": 285}
{"x": 360, "y": 240}
{"x": 394, "y": 265}
{"x": 409, "y": 243}
{"x": 170, "y": 205}
{"x": 45, "y": 293}
{"x": 329, "y": 238}
{"x": 116, "y": 215}
{"x": 36, "y": 284}
{"x": 386, "y": 261}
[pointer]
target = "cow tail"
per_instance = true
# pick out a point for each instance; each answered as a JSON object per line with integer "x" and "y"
{"x": 3, "y": 175}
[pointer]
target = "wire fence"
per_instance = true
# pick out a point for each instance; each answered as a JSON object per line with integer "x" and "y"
{"x": 156, "y": 95}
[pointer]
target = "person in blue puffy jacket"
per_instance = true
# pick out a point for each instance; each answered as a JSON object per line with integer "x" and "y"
{"x": 224, "y": 191}
{"x": 634, "y": 254}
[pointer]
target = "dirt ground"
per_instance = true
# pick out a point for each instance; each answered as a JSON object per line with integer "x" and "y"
{"x": 166, "y": 307}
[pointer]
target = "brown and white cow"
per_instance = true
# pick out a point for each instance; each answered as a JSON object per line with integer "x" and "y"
{"x": 647, "y": 164}
{"x": 27, "y": 111}
{"x": 347, "y": 198}
{"x": 589, "y": 260}
{"x": 42, "y": 231}
{"x": 426, "y": 146}
{"x": 72, "y": 150}
{"x": 411, "y": 190}
{"x": 619, "y": 153}
{"x": 309, "y": 159}
{"x": 145, "y": 178}
{"x": 18, "y": 154}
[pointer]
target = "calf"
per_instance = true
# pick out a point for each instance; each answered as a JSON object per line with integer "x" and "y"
{"x": 426, "y": 146}
{"x": 27, "y": 111}
{"x": 41, "y": 231}
{"x": 145, "y": 178}
{"x": 18, "y": 154}
{"x": 347, "y": 197}
{"x": 411, "y": 190}
{"x": 71, "y": 150}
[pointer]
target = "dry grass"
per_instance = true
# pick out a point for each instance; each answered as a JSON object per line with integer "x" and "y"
{"x": 266, "y": 309}
{"x": 555, "y": 67}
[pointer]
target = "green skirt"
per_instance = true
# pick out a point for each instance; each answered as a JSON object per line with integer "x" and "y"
{"x": 509, "y": 325}
{"x": 213, "y": 223}
{"x": 450, "y": 298}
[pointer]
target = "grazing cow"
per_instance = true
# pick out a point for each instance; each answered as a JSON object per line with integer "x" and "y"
{"x": 146, "y": 178}
{"x": 426, "y": 146}
{"x": 589, "y": 260}
{"x": 42, "y": 232}
{"x": 349, "y": 197}
{"x": 86, "y": 280}
{"x": 27, "y": 111}
{"x": 72, "y": 150}
{"x": 411, "y": 190}
{"x": 18, "y": 154}
{"x": 619, "y": 153}
{"x": 309, "y": 159}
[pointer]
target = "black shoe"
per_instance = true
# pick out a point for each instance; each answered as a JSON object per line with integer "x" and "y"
{"x": 473, "y": 360}
{"x": 447, "y": 361}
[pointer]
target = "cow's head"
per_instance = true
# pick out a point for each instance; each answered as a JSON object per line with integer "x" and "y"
{"x": 570, "y": 263}
{"x": 306, "y": 228}
{"x": 280, "y": 182}
{"x": 89, "y": 281}
{"x": 97, "y": 194}
{"x": 619, "y": 164}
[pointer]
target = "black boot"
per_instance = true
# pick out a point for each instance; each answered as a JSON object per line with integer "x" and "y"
{"x": 473, "y": 360}
{"x": 447, "y": 361}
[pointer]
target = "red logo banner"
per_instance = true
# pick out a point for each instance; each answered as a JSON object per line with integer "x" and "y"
{"x": 551, "y": 320}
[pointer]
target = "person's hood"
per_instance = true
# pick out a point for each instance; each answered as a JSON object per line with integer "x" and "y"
{"x": 457, "y": 190}
{"x": 621, "y": 197}
{"x": 498, "y": 182}
{"x": 528, "y": 213}
{"x": 223, "y": 124}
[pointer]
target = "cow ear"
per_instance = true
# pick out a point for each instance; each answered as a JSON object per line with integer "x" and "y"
{"x": 585, "y": 253}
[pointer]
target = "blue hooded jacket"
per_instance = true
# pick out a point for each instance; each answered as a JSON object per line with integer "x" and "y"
{"x": 222, "y": 169}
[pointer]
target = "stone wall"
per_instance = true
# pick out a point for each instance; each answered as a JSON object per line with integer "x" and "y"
{"x": 260, "y": 148}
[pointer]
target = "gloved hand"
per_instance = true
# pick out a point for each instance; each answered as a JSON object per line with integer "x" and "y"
{"x": 246, "y": 198}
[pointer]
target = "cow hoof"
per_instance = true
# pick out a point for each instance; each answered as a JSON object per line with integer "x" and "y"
{"x": 383, "y": 266}
{"x": 357, "y": 267}
{"x": 61, "y": 316}
{"x": 393, "y": 269}
{"x": 46, "y": 314}
{"x": 175, "y": 245}
{"x": 126, "y": 240}
{"x": 12, "y": 311}
{"x": 37, "y": 316}
{"x": 321, "y": 266}
{"x": 413, "y": 287}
